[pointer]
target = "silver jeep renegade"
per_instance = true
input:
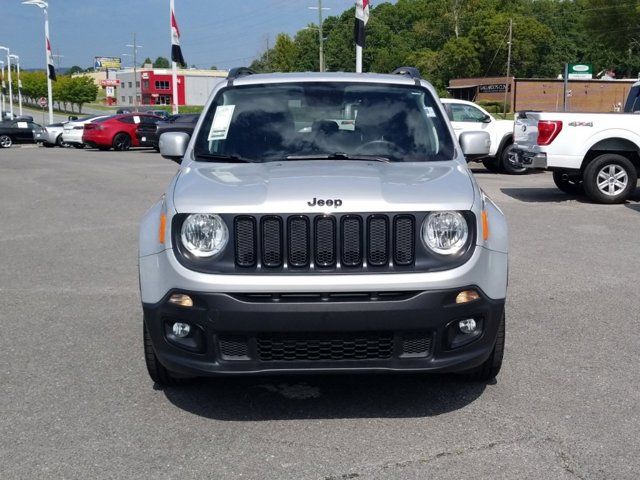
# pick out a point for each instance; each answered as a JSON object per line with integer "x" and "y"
{"x": 323, "y": 223}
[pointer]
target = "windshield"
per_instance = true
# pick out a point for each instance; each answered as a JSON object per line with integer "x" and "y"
{"x": 274, "y": 122}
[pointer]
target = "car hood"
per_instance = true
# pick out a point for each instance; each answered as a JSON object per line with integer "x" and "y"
{"x": 292, "y": 186}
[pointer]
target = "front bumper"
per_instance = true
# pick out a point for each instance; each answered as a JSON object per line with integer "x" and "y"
{"x": 530, "y": 160}
{"x": 245, "y": 334}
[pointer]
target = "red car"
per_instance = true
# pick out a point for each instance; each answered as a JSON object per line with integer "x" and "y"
{"x": 117, "y": 132}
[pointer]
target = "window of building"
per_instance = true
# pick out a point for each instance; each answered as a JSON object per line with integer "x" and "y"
{"x": 137, "y": 83}
{"x": 124, "y": 99}
{"x": 130, "y": 99}
{"x": 162, "y": 85}
{"x": 145, "y": 84}
{"x": 130, "y": 84}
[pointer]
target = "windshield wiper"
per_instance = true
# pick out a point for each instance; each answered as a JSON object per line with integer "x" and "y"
{"x": 338, "y": 156}
{"x": 224, "y": 158}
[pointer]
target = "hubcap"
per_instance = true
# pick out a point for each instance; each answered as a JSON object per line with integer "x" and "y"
{"x": 5, "y": 142}
{"x": 612, "y": 180}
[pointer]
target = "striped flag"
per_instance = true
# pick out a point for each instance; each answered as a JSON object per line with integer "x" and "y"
{"x": 176, "y": 51}
{"x": 362, "y": 17}
{"x": 50, "y": 67}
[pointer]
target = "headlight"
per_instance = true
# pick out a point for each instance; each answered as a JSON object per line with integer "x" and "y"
{"x": 204, "y": 235}
{"x": 445, "y": 233}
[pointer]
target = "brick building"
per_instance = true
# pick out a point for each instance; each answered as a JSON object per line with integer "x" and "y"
{"x": 544, "y": 94}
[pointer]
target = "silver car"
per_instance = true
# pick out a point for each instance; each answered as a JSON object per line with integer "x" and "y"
{"x": 323, "y": 223}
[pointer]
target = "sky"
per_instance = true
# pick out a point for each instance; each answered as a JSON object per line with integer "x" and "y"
{"x": 224, "y": 33}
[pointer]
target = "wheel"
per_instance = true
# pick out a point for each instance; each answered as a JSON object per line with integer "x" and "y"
{"x": 60, "y": 143}
{"x": 121, "y": 142}
{"x": 48, "y": 145}
{"x": 157, "y": 371}
{"x": 5, "y": 141}
{"x": 610, "y": 178}
{"x": 507, "y": 161}
{"x": 568, "y": 183}
{"x": 491, "y": 164}
{"x": 78, "y": 145}
{"x": 491, "y": 366}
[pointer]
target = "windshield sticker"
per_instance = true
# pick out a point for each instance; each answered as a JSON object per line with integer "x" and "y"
{"x": 221, "y": 122}
{"x": 136, "y": 119}
{"x": 430, "y": 112}
{"x": 23, "y": 125}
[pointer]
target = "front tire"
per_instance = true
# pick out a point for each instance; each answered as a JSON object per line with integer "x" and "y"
{"x": 5, "y": 141}
{"x": 610, "y": 178}
{"x": 508, "y": 162}
{"x": 158, "y": 373}
{"x": 571, "y": 184}
{"x": 492, "y": 164}
{"x": 121, "y": 142}
{"x": 78, "y": 145}
{"x": 491, "y": 366}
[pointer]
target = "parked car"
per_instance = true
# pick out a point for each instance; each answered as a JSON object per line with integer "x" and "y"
{"x": 51, "y": 135}
{"x": 19, "y": 130}
{"x": 149, "y": 135}
{"x": 117, "y": 132}
{"x": 468, "y": 117}
{"x": 159, "y": 113}
{"x": 74, "y": 129}
{"x": 591, "y": 153}
{"x": 288, "y": 244}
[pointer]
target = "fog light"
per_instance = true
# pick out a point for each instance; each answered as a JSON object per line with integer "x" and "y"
{"x": 181, "y": 330}
{"x": 466, "y": 326}
{"x": 181, "y": 300}
{"x": 467, "y": 296}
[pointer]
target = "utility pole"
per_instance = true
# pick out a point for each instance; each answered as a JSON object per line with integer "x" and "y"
{"x": 268, "y": 64}
{"x": 135, "y": 47}
{"x": 320, "y": 35}
{"x": 508, "y": 79}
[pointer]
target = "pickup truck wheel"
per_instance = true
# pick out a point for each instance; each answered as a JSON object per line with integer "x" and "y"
{"x": 570, "y": 184}
{"x": 491, "y": 367}
{"x": 610, "y": 178}
{"x": 508, "y": 162}
{"x": 157, "y": 372}
{"x": 5, "y": 141}
{"x": 492, "y": 164}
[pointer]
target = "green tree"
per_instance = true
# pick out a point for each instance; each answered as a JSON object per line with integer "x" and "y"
{"x": 34, "y": 85}
{"x": 161, "y": 62}
{"x": 82, "y": 90}
{"x": 147, "y": 61}
{"x": 75, "y": 69}
{"x": 283, "y": 55}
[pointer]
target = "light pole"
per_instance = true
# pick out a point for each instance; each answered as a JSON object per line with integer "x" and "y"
{"x": 1, "y": 91}
{"x": 10, "y": 86}
{"x": 320, "y": 36}
{"x": 17, "y": 59}
{"x": 125, "y": 55}
{"x": 135, "y": 48}
{"x": 42, "y": 4}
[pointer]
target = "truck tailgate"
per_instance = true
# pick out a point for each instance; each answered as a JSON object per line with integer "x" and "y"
{"x": 525, "y": 130}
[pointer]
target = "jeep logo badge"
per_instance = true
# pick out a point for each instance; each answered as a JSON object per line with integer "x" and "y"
{"x": 336, "y": 202}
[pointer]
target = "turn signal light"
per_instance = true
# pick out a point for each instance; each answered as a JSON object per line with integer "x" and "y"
{"x": 467, "y": 296}
{"x": 485, "y": 226}
{"x": 162, "y": 228}
{"x": 181, "y": 300}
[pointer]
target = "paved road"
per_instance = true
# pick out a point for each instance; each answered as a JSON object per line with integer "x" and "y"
{"x": 77, "y": 402}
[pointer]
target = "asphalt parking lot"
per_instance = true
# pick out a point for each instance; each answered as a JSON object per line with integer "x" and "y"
{"x": 77, "y": 401}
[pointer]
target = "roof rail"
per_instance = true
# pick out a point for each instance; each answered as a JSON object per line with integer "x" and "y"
{"x": 412, "y": 72}
{"x": 239, "y": 72}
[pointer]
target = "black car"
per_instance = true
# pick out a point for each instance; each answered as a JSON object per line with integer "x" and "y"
{"x": 19, "y": 130}
{"x": 149, "y": 135}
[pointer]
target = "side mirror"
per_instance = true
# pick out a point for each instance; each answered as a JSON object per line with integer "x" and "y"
{"x": 72, "y": 118}
{"x": 475, "y": 144}
{"x": 486, "y": 119}
{"x": 173, "y": 145}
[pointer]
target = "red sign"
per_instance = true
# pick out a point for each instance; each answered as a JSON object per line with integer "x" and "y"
{"x": 42, "y": 102}
{"x": 109, "y": 82}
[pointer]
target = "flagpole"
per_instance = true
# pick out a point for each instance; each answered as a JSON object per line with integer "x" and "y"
{"x": 48, "y": 46}
{"x": 362, "y": 17}
{"x": 358, "y": 59}
{"x": 174, "y": 64}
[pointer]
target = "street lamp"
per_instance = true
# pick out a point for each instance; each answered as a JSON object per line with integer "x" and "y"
{"x": 1, "y": 91}
{"x": 9, "y": 69}
{"x": 42, "y": 4}
{"x": 17, "y": 59}
{"x": 135, "y": 48}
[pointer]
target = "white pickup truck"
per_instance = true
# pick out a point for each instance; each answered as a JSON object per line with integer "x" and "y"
{"x": 592, "y": 153}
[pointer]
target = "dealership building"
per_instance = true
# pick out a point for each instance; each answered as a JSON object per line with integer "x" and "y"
{"x": 155, "y": 86}
{"x": 545, "y": 94}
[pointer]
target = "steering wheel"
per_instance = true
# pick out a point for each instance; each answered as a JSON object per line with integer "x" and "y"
{"x": 384, "y": 145}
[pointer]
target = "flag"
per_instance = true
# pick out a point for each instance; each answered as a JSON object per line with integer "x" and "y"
{"x": 50, "y": 67}
{"x": 176, "y": 51}
{"x": 362, "y": 17}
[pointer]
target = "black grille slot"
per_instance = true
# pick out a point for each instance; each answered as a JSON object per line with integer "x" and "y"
{"x": 404, "y": 240}
{"x": 272, "y": 242}
{"x": 298, "y": 241}
{"x": 351, "y": 241}
{"x": 325, "y": 241}
{"x": 245, "y": 241}
{"x": 316, "y": 347}
{"x": 378, "y": 253}
{"x": 234, "y": 348}
{"x": 418, "y": 345}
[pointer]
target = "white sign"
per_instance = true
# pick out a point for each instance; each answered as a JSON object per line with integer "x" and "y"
{"x": 136, "y": 119}
{"x": 42, "y": 102}
{"x": 221, "y": 121}
{"x": 110, "y": 91}
{"x": 23, "y": 125}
